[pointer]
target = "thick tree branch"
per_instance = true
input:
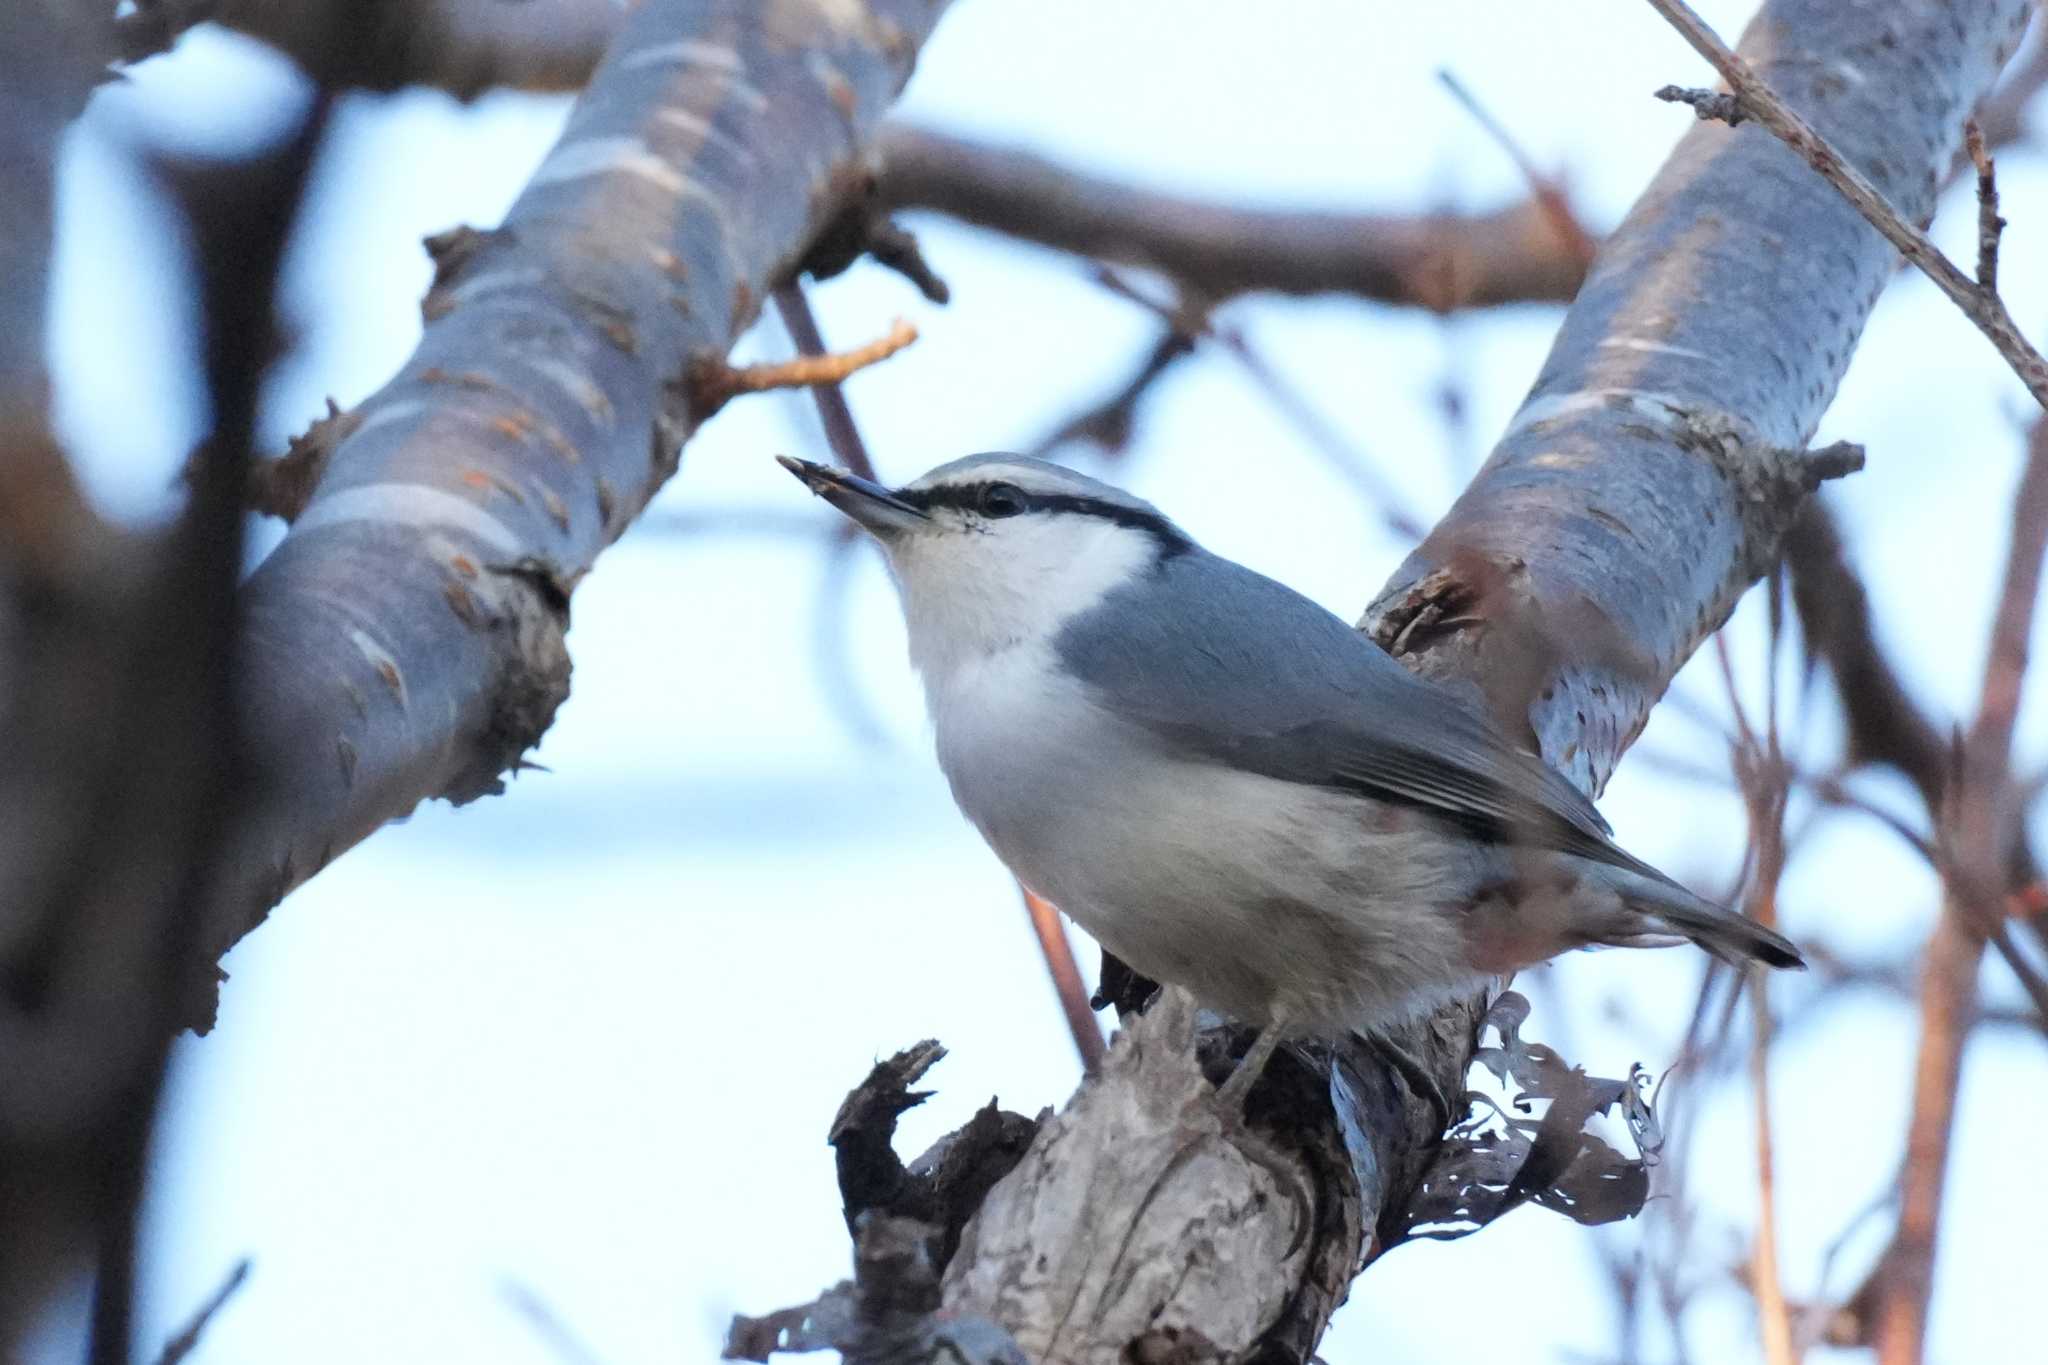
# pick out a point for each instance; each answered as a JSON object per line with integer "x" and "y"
{"x": 1441, "y": 263}
{"x": 405, "y": 640}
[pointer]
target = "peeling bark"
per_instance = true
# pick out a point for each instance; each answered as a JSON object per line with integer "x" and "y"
{"x": 405, "y": 640}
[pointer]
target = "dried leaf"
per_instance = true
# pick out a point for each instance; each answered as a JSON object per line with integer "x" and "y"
{"x": 1506, "y": 1156}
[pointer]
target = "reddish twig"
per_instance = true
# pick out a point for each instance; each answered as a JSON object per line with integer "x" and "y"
{"x": 1066, "y": 978}
{"x": 1751, "y": 98}
{"x": 1546, "y": 190}
{"x": 1979, "y": 830}
{"x": 815, "y": 369}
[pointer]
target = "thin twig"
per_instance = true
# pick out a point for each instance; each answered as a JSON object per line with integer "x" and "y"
{"x": 1762, "y": 774}
{"x": 1754, "y": 99}
{"x": 1989, "y": 224}
{"x": 548, "y": 1325}
{"x": 842, "y": 437}
{"x": 1547, "y": 192}
{"x": 1190, "y": 317}
{"x": 1109, "y": 422}
{"x": 1886, "y": 725}
{"x": 183, "y": 1344}
{"x": 1979, "y": 831}
{"x": 816, "y": 369}
{"x": 1066, "y": 978}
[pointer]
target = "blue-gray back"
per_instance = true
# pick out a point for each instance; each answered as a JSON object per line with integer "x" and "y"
{"x": 1226, "y": 665}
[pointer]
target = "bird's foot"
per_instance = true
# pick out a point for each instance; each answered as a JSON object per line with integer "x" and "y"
{"x": 1418, "y": 1078}
{"x": 1230, "y": 1096}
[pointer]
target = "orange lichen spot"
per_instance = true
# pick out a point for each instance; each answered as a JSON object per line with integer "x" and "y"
{"x": 434, "y": 374}
{"x": 477, "y": 479}
{"x": 842, "y": 94}
{"x": 388, "y": 671}
{"x": 460, "y": 602}
{"x": 463, "y": 565}
{"x": 555, "y": 508}
{"x": 513, "y": 424}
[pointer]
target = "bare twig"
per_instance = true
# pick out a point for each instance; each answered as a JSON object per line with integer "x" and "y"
{"x": 1762, "y": 776}
{"x": 1066, "y": 978}
{"x": 1755, "y": 99}
{"x": 1989, "y": 224}
{"x": 187, "y": 1339}
{"x": 816, "y": 370}
{"x": 1190, "y": 316}
{"x": 1545, "y": 189}
{"x": 1107, "y": 423}
{"x": 1979, "y": 828}
{"x": 1885, "y": 725}
{"x": 561, "y": 1339}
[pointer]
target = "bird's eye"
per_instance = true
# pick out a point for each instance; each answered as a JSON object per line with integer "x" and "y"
{"x": 1002, "y": 500}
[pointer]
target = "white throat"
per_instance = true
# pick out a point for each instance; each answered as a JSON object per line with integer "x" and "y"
{"x": 972, "y": 597}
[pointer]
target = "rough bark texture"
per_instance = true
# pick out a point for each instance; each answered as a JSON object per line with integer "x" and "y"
{"x": 1647, "y": 482}
{"x": 405, "y": 640}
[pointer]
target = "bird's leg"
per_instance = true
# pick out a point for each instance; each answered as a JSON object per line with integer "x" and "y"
{"x": 1230, "y": 1096}
{"x": 1417, "y": 1077}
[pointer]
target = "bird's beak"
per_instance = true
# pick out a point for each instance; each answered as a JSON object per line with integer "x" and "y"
{"x": 868, "y": 503}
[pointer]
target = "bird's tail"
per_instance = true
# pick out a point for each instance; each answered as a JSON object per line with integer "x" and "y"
{"x": 1735, "y": 939}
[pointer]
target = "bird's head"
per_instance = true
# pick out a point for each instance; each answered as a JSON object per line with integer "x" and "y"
{"x": 996, "y": 551}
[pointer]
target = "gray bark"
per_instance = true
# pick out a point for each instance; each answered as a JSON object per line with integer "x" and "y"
{"x": 405, "y": 639}
{"x": 1648, "y": 480}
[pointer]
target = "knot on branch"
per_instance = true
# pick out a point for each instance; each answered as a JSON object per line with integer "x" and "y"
{"x": 452, "y": 252}
{"x": 862, "y": 228}
{"x": 524, "y": 608}
{"x": 1770, "y": 482}
{"x": 282, "y": 487}
{"x": 1708, "y": 106}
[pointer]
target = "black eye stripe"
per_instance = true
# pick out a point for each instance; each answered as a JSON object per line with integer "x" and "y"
{"x": 968, "y": 497}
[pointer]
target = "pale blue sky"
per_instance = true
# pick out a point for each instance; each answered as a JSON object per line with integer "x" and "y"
{"x": 588, "y": 1036}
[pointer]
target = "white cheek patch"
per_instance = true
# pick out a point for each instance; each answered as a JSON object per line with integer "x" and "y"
{"x": 974, "y": 591}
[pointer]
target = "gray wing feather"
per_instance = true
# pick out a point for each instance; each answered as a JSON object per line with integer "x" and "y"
{"x": 1230, "y": 666}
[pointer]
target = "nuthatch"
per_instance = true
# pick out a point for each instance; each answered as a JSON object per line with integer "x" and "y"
{"x": 1229, "y": 787}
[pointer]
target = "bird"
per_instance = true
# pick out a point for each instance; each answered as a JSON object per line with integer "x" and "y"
{"x": 1227, "y": 785}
